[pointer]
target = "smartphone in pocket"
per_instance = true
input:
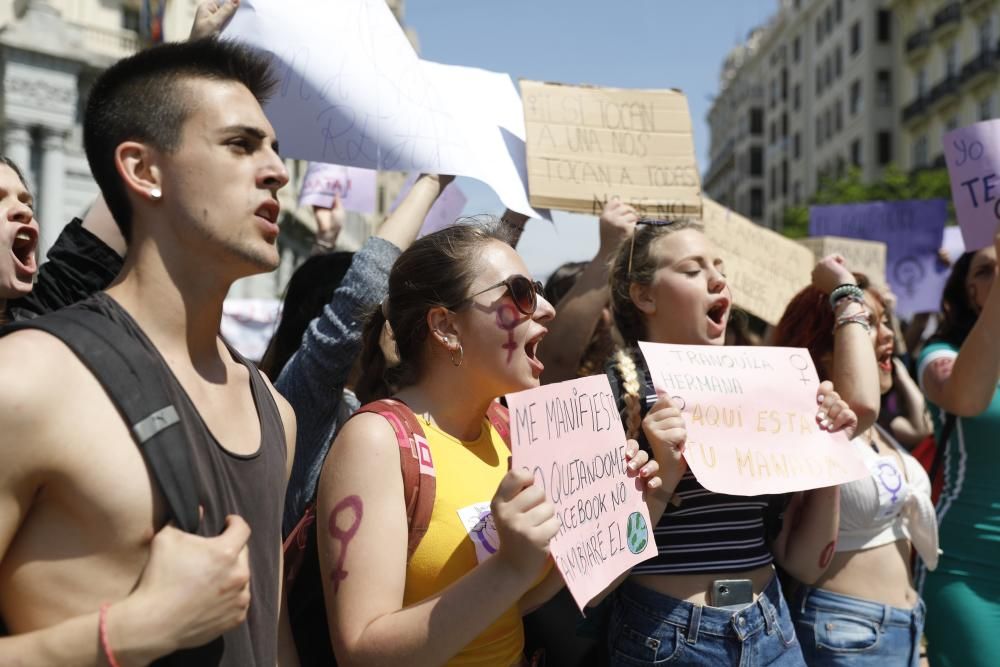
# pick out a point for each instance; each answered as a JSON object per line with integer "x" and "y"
{"x": 731, "y": 593}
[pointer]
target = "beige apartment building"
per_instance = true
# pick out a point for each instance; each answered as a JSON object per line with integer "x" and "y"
{"x": 949, "y": 64}
{"x": 809, "y": 94}
{"x": 51, "y": 51}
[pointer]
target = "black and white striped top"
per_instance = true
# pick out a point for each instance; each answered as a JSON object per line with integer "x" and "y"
{"x": 706, "y": 531}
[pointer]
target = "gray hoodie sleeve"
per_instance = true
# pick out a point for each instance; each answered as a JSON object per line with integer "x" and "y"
{"x": 313, "y": 379}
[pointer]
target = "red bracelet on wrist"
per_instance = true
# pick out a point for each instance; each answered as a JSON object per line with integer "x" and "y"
{"x": 102, "y": 624}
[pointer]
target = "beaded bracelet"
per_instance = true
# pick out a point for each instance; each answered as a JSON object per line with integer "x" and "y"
{"x": 859, "y": 318}
{"x": 846, "y": 291}
{"x": 102, "y": 624}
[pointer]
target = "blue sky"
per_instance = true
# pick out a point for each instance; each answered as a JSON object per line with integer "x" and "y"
{"x": 628, "y": 44}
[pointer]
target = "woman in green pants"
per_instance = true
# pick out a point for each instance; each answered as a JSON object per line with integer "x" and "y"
{"x": 959, "y": 372}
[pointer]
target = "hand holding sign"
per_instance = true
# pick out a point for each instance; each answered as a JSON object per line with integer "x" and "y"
{"x": 664, "y": 428}
{"x": 834, "y": 414}
{"x": 525, "y": 522}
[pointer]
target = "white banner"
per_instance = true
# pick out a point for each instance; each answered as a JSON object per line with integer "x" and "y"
{"x": 353, "y": 92}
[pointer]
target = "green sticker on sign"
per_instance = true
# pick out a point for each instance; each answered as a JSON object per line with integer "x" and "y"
{"x": 638, "y": 533}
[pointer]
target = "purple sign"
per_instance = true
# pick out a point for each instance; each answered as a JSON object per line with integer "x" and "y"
{"x": 355, "y": 186}
{"x": 973, "y": 157}
{"x": 912, "y": 232}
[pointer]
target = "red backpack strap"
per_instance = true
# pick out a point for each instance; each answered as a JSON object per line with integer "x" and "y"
{"x": 500, "y": 418}
{"x": 416, "y": 464}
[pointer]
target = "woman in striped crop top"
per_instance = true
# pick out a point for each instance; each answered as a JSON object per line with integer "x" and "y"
{"x": 864, "y": 609}
{"x": 668, "y": 285}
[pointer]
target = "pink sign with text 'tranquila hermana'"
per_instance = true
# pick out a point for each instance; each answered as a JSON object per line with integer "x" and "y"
{"x": 570, "y": 435}
{"x": 750, "y": 414}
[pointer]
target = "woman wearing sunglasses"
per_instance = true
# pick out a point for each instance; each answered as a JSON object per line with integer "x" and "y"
{"x": 460, "y": 327}
{"x": 864, "y": 609}
{"x": 711, "y": 596}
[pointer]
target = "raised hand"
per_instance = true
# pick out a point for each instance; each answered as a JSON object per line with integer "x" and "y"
{"x": 211, "y": 16}
{"x": 830, "y": 273}
{"x": 617, "y": 222}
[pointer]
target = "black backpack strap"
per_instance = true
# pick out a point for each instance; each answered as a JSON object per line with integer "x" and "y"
{"x": 123, "y": 367}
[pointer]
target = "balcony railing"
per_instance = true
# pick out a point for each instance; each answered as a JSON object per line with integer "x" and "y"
{"x": 951, "y": 13}
{"x": 986, "y": 61}
{"x": 975, "y": 5}
{"x": 945, "y": 88}
{"x": 916, "y": 108}
{"x": 918, "y": 40}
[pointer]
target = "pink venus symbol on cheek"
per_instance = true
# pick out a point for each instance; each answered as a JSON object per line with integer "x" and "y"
{"x": 507, "y": 319}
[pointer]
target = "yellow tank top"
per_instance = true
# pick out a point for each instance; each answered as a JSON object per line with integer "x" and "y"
{"x": 461, "y": 535}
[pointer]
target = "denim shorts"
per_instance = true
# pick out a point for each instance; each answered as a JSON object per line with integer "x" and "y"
{"x": 837, "y": 629}
{"x": 649, "y": 628}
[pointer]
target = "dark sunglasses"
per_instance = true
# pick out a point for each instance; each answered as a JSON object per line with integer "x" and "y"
{"x": 651, "y": 223}
{"x": 523, "y": 291}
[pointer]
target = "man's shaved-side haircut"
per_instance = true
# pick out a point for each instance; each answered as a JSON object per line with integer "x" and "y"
{"x": 144, "y": 98}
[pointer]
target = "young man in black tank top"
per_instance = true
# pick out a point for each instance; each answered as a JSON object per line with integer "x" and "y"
{"x": 89, "y": 574}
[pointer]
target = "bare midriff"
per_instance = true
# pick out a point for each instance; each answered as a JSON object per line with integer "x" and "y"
{"x": 880, "y": 574}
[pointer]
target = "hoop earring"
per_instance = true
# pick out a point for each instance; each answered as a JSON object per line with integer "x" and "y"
{"x": 461, "y": 356}
{"x": 155, "y": 194}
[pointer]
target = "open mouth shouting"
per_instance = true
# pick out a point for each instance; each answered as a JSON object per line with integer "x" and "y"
{"x": 531, "y": 351}
{"x": 884, "y": 357}
{"x": 717, "y": 316}
{"x": 23, "y": 250}
{"x": 267, "y": 217}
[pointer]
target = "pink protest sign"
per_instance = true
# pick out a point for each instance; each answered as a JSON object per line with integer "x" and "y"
{"x": 446, "y": 209}
{"x": 973, "y": 157}
{"x": 355, "y": 186}
{"x": 570, "y": 435}
{"x": 750, "y": 414}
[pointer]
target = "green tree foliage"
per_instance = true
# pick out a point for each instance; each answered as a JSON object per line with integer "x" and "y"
{"x": 894, "y": 185}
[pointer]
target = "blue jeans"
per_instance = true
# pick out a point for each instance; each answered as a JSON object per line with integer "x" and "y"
{"x": 841, "y": 630}
{"x": 649, "y": 628}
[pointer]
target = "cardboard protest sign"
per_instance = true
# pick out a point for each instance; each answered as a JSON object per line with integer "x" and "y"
{"x": 352, "y": 91}
{"x": 867, "y": 257}
{"x": 750, "y": 414}
{"x": 973, "y": 158}
{"x": 912, "y": 232}
{"x": 570, "y": 435}
{"x": 446, "y": 209}
{"x": 588, "y": 144}
{"x": 764, "y": 269}
{"x": 355, "y": 186}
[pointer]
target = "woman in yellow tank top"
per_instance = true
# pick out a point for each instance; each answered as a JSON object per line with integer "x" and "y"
{"x": 460, "y": 327}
